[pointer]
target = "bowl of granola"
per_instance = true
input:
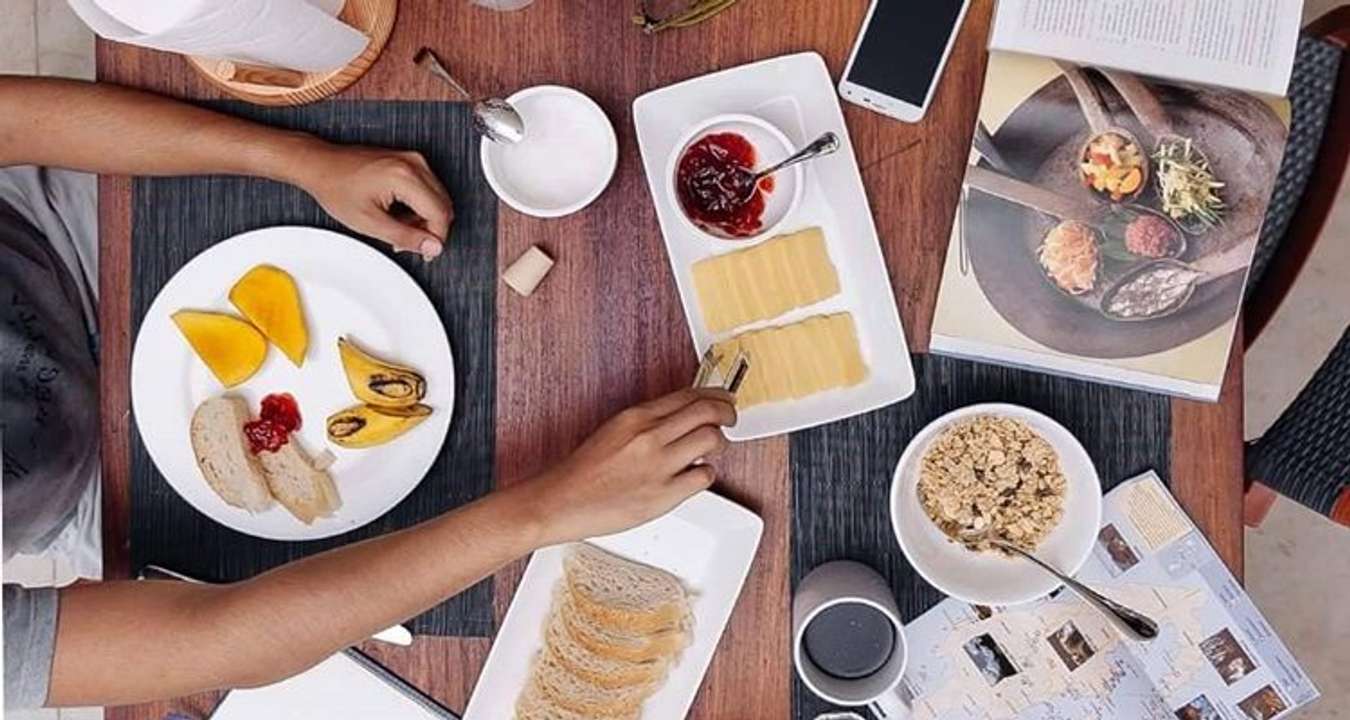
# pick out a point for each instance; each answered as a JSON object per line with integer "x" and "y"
{"x": 995, "y": 470}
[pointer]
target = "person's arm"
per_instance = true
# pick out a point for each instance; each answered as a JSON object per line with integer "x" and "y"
{"x": 124, "y": 642}
{"x": 109, "y": 129}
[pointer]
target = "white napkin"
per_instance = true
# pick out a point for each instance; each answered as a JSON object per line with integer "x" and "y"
{"x": 292, "y": 34}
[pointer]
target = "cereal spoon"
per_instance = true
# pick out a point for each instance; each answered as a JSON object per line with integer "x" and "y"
{"x": 1134, "y": 625}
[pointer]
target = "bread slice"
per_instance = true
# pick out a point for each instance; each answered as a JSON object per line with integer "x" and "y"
{"x": 560, "y": 687}
{"x": 611, "y": 643}
{"x": 534, "y": 705}
{"x": 625, "y": 596}
{"x": 295, "y": 482}
{"x": 596, "y": 669}
{"x": 223, "y": 455}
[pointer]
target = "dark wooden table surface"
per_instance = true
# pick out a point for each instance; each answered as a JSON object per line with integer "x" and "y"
{"x": 616, "y": 293}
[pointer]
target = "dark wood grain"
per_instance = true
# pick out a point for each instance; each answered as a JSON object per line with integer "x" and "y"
{"x": 605, "y": 329}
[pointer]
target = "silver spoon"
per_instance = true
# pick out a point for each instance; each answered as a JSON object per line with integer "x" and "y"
{"x": 744, "y": 181}
{"x": 493, "y": 118}
{"x": 1133, "y": 624}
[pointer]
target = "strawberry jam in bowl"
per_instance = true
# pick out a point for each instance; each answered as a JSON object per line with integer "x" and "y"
{"x": 708, "y": 179}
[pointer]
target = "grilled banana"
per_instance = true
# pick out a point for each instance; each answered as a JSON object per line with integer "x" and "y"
{"x": 363, "y": 426}
{"x": 380, "y": 383}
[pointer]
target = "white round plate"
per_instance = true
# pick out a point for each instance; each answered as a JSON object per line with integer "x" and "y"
{"x": 990, "y": 578}
{"x": 346, "y": 288}
{"x": 566, "y": 160}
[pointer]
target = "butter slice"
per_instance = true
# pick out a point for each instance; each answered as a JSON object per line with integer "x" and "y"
{"x": 794, "y": 361}
{"x": 765, "y": 281}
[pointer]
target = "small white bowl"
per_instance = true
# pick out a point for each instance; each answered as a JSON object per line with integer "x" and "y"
{"x": 771, "y": 146}
{"x": 990, "y": 578}
{"x": 566, "y": 160}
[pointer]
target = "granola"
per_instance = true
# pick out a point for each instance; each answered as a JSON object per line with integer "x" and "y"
{"x": 992, "y": 476}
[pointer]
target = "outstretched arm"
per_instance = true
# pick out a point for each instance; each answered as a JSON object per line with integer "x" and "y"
{"x": 125, "y": 642}
{"x": 105, "y": 128}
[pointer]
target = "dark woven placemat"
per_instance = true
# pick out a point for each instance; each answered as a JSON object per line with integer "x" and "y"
{"x": 841, "y": 473}
{"x": 176, "y": 218}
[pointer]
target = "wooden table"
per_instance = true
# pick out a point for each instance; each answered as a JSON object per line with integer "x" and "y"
{"x": 619, "y": 293}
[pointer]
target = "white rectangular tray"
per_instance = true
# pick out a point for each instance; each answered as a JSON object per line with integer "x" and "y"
{"x": 708, "y": 542}
{"x": 794, "y": 93}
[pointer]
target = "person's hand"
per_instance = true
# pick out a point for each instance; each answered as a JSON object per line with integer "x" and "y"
{"x": 637, "y": 466}
{"x": 387, "y": 194}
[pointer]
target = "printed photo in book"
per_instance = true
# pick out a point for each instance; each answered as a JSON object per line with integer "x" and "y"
{"x": 1107, "y": 223}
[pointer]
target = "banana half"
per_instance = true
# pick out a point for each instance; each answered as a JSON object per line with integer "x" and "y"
{"x": 363, "y": 426}
{"x": 380, "y": 383}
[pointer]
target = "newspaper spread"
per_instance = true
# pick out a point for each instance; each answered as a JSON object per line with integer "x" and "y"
{"x": 1215, "y": 659}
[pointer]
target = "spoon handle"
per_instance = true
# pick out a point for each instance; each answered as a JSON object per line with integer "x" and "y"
{"x": 823, "y": 145}
{"x": 1098, "y": 118}
{"x": 1134, "y": 624}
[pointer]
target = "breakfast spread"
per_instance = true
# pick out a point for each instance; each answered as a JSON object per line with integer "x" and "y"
{"x": 250, "y": 475}
{"x": 793, "y": 361}
{"x": 232, "y": 349}
{"x": 268, "y": 297}
{"x": 992, "y": 477}
{"x": 714, "y": 185}
{"x": 615, "y": 630}
{"x": 765, "y": 281}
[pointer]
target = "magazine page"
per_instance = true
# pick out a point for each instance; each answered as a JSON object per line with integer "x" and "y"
{"x": 1215, "y": 657}
{"x": 1241, "y": 44}
{"x": 1106, "y": 224}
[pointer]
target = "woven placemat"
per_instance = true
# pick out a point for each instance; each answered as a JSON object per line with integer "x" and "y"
{"x": 176, "y": 218}
{"x": 841, "y": 473}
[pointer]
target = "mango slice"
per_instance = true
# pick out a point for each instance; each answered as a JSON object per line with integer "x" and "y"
{"x": 268, "y": 297}
{"x": 230, "y": 347}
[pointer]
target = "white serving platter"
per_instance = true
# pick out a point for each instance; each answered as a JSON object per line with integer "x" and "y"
{"x": 794, "y": 93}
{"x": 346, "y": 288}
{"x": 708, "y": 542}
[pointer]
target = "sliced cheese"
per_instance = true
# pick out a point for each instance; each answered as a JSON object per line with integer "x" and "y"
{"x": 795, "y": 361}
{"x": 765, "y": 281}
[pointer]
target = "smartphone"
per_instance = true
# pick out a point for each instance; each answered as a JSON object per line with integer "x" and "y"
{"x": 899, "y": 56}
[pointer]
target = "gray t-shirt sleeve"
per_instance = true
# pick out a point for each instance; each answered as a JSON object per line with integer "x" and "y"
{"x": 30, "y": 642}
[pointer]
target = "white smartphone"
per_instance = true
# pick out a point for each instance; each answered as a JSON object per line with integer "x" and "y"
{"x": 898, "y": 59}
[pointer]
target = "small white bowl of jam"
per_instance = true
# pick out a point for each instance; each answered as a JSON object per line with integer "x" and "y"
{"x": 702, "y": 178}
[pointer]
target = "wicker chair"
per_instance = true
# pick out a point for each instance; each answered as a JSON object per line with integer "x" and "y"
{"x": 1305, "y": 455}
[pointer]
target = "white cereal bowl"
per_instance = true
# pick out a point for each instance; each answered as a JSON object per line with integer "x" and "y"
{"x": 990, "y": 578}
{"x": 771, "y": 146}
{"x": 566, "y": 160}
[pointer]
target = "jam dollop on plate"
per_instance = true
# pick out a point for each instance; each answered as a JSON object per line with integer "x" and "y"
{"x": 278, "y": 418}
{"x": 709, "y": 183}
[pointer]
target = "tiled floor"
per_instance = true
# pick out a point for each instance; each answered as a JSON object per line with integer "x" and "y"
{"x": 44, "y": 37}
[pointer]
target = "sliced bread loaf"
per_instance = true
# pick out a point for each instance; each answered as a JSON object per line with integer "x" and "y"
{"x": 557, "y": 684}
{"x": 601, "y": 670}
{"x": 611, "y": 643}
{"x": 625, "y": 596}
{"x": 306, "y": 491}
{"x": 223, "y": 455}
{"x": 534, "y": 705}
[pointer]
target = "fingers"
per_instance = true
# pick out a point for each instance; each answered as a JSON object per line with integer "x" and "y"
{"x": 402, "y": 236}
{"x": 669, "y": 404}
{"x": 694, "y": 447}
{"x": 706, "y": 411}
{"x": 418, "y": 188}
{"x": 694, "y": 479}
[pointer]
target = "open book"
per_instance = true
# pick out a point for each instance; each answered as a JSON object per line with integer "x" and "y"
{"x": 1120, "y": 172}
